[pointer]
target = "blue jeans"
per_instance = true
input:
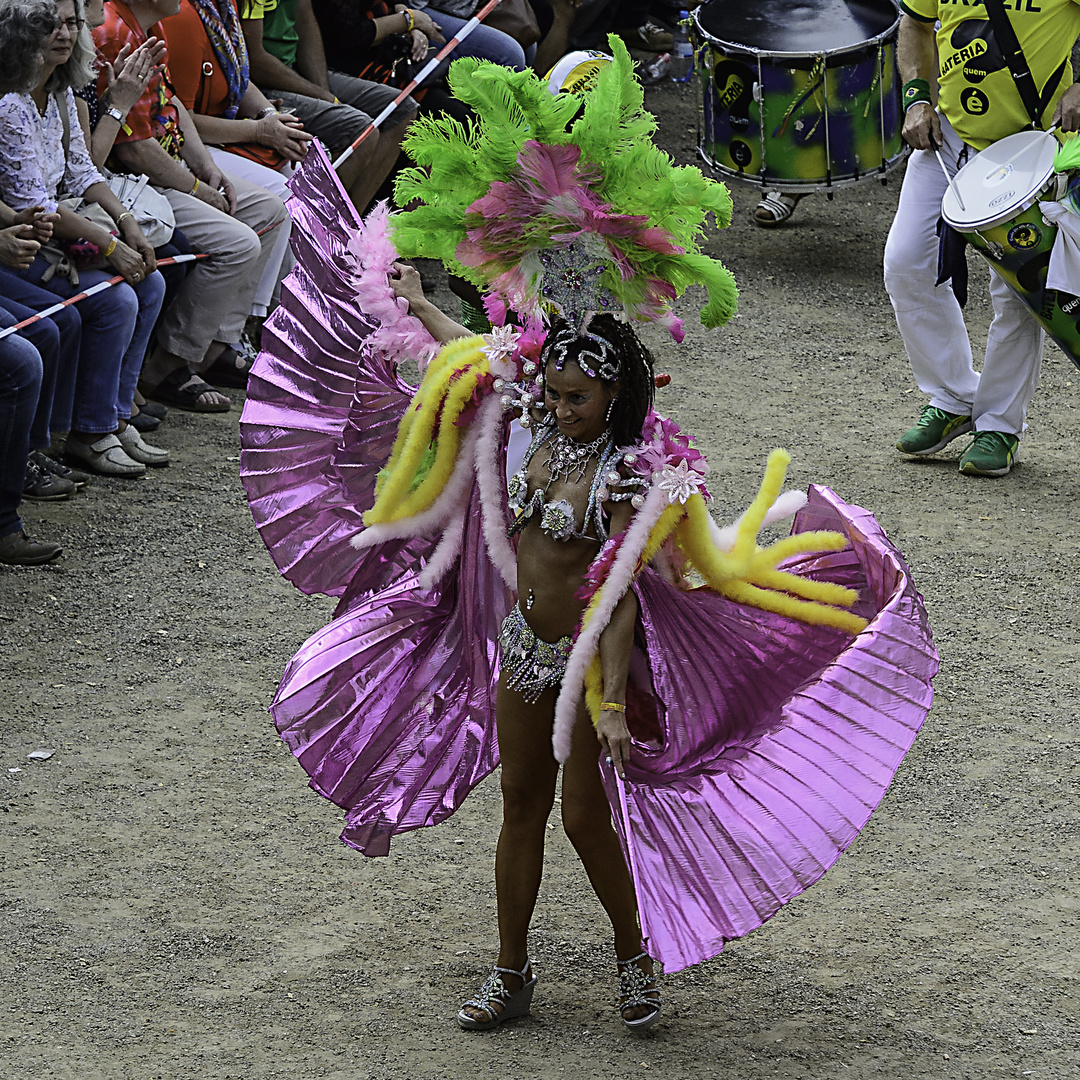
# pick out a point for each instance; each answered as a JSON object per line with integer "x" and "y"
{"x": 45, "y": 336}
{"x": 22, "y": 299}
{"x": 485, "y": 42}
{"x": 116, "y": 326}
{"x": 20, "y": 384}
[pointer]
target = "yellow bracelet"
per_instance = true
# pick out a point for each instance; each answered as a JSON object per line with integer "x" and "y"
{"x": 611, "y": 706}
{"x": 110, "y": 249}
{"x": 412, "y": 20}
{"x": 194, "y": 187}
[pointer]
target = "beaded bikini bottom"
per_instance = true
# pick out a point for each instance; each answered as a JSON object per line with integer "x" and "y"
{"x": 531, "y": 665}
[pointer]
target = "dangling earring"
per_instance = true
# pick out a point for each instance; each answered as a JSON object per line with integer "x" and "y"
{"x": 610, "y": 410}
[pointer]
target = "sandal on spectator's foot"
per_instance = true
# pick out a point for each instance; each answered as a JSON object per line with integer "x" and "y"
{"x": 496, "y": 1003}
{"x": 230, "y": 369}
{"x": 182, "y": 388}
{"x": 775, "y": 208}
{"x": 638, "y": 990}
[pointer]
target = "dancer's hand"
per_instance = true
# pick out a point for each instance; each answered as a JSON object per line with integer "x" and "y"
{"x": 614, "y": 737}
{"x": 405, "y": 282}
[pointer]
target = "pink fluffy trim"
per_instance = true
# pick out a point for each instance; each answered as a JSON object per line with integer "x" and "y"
{"x": 620, "y": 577}
{"x": 489, "y": 482}
{"x": 398, "y": 335}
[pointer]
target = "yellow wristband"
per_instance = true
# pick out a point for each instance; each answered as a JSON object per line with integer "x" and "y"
{"x": 611, "y": 706}
{"x": 110, "y": 249}
{"x": 194, "y": 187}
{"x": 412, "y": 20}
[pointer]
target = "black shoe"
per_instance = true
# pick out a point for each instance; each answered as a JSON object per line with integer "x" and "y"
{"x": 57, "y": 468}
{"x": 154, "y": 409}
{"x": 17, "y": 549}
{"x": 40, "y": 485}
{"x": 143, "y": 421}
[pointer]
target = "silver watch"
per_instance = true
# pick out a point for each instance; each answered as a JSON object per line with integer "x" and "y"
{"x": 116, "y": 114}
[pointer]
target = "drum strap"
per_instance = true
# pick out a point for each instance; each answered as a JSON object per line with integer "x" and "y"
{"x": 1034, "y": 102}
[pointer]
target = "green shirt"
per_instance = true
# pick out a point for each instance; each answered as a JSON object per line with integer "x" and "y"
{"x": 977, "y": 90}
{"x": 280, "y": 38}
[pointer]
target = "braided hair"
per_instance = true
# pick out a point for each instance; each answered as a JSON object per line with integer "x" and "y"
{"x": 635, "y": 368}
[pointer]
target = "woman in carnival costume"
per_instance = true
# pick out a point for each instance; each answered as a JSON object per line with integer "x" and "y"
{"x": 750, "y": 705}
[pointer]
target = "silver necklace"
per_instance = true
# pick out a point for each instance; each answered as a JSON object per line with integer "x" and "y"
{"x": 568, "y": 460}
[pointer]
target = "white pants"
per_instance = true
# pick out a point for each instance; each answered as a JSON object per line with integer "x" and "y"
{"x": 280, "y": 260}
{"x": 932, "y": 323}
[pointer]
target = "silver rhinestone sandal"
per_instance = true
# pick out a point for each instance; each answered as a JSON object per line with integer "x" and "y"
{"x": 637, "y": 989}
{"x": 493, "y": 994}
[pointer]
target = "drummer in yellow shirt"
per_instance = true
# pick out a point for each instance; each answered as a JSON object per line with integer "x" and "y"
{"x": 977, "y": 103}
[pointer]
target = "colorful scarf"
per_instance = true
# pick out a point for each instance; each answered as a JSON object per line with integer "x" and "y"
{"x": 222, "y": 27}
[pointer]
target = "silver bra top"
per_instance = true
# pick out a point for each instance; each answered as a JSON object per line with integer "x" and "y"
{"x": 557, "y": 518}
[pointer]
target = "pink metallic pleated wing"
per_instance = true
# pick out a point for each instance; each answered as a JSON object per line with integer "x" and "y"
{"x": 390, "y": 708}
{"x": 322, "y": 407}
{"x": 777, "y": 740}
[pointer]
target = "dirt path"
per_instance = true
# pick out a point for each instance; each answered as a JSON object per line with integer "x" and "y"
{"x": 173, "y": 899}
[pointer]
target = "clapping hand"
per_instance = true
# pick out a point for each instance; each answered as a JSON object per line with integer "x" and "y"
{"x": 132, "y": 72}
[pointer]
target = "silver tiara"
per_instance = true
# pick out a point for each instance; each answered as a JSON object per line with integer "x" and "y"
{"x": 597, "y": 356}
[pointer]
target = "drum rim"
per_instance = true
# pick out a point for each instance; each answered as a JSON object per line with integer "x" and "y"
{"x": 878, "y": 174}
{"x": 750, "y": 50}
{"x": 1000, "y": 217}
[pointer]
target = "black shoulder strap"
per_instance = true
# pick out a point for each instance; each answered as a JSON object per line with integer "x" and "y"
{"x": 1005, "y": 35}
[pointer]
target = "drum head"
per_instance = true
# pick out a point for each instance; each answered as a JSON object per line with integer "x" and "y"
{"x": 1000, "y": 181}
{"x": 796, "y": 27}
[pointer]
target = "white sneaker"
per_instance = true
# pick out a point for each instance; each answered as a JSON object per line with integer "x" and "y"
{"x": 106, "y": 456}
{"x": 140, "y": 451}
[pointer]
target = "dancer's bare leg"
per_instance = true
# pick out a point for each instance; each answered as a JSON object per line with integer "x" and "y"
{"x": 586, "y": 818}
{"x": 529, "y": 771}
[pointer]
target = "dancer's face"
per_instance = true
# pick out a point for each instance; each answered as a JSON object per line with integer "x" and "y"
{"x": 578, "y": 403}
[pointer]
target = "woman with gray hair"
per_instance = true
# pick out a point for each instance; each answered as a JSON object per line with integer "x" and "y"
{"x": 43, "y": 159}
{"x": 24, "y": 26}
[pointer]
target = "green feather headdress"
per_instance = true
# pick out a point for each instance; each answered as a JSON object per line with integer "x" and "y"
{"x": 560, "y": 203}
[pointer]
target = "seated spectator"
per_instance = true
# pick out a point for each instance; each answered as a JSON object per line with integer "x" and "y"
{"x": 225, "y": 215}
{"x": 56, "y": 339}
{"x": 101, "y": 119}
{"x": 285, "y": 48}
{"x": 21, "y": 373}
{"x": 25, "y": 27}
{"x": 244, "y": 132}
{"x": 43, "y": 159}
{"x": 371, "y": 40}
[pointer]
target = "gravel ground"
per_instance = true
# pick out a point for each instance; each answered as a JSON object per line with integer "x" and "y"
{"x": 174, "y": 902}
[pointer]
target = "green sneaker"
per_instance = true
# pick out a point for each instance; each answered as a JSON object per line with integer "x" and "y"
{"x": 933, "y": 431}
{"x": 991, "y": 453}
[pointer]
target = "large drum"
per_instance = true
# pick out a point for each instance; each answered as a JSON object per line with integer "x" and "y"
{"x": 994, "y": 202}
{"x": 800, "y": 95}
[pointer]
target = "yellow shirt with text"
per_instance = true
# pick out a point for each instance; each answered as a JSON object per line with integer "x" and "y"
{"x": 977, "y": 90}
